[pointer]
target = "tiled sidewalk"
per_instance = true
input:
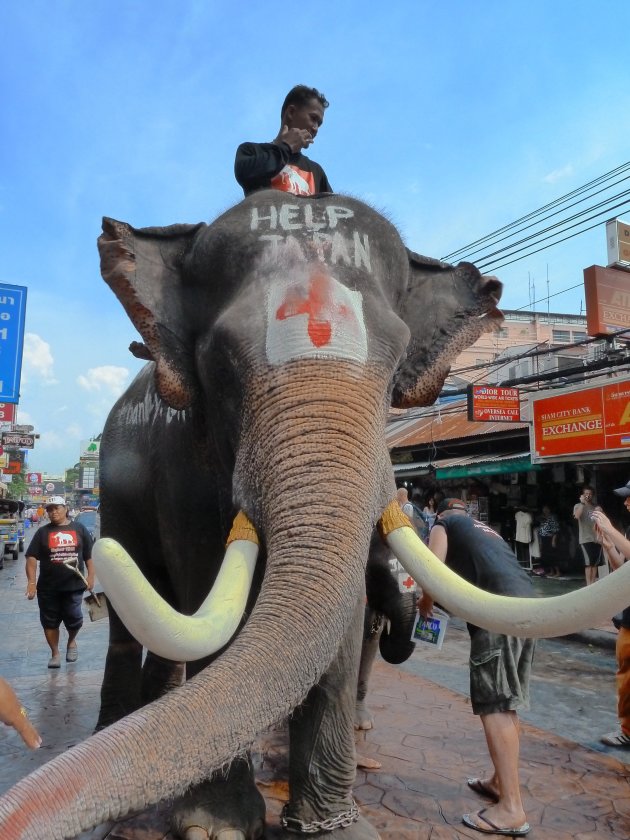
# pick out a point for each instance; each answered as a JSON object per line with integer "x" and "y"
{"x": 425, "y": 736}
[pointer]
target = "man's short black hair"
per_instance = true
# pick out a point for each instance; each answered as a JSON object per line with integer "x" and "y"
{"x": 300, "y": 95}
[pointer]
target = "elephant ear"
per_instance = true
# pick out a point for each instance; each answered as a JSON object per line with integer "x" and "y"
{"x": 143, "y": 266}
{"x": 446, "y": 308}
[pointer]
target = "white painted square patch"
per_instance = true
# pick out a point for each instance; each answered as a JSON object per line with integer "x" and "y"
{"x": 315, "y": 317}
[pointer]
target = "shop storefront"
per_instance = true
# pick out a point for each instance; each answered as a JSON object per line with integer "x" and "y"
{"x": 490, "y": 466}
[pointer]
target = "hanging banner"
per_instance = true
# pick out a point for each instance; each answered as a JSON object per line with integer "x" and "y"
{"x": 588, "y": 420}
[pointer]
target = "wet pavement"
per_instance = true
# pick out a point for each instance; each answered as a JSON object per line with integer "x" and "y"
{"x": 425, "y": 736}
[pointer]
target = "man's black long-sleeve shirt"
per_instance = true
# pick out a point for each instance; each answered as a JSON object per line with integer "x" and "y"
{"x": 261, "y": 166}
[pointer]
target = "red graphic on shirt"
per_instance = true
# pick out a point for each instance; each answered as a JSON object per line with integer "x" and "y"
{"x": 293, "y": 180}
{"x": 62, "y": 539}
{"x": 408, "y": 582}
{"x": 318, "y": 305}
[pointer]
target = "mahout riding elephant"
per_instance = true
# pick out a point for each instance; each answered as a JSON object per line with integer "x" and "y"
{"x": 278, "y": 337}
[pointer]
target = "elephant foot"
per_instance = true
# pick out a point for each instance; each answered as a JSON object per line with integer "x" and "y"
{"x": 359, "y": 830}
{"x": 362, "y": 716}
{"x": 227, "y": 807}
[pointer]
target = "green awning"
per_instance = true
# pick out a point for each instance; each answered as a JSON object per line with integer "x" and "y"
{"x": 489, "y": 468}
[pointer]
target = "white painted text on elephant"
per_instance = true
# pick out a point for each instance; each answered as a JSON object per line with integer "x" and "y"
{"x": 319, "y": 233}
{"x": 316, "y": 317}
{"x": 298, "y": 217}
{"x": 334, "y": 249}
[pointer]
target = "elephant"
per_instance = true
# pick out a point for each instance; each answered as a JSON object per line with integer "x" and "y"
{"x": 277, "y": 338}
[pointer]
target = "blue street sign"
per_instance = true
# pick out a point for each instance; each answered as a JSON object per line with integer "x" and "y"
{"x": 12, "y": 313}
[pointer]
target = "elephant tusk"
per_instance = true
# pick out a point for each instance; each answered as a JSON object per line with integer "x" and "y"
{"x": 533, "y": 618}
{"x": 160, "y": 628}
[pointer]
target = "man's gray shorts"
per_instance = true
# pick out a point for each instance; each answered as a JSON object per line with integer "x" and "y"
{"x": 499, "y": 672}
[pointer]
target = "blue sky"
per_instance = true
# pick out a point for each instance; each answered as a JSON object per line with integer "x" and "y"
{"x": 453, "y": 117}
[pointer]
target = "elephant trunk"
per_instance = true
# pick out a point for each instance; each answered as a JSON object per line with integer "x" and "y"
{"x": 316, "y": 559}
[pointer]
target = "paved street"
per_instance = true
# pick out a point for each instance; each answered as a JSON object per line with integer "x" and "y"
{"x": 425, "y": 736}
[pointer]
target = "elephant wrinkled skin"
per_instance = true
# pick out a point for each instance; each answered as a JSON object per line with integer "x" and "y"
{"x": 278, "y": 337}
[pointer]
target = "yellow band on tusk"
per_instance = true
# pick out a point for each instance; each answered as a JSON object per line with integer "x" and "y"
{"x": 392, "y": 519}
{"x": 242, "y": 529}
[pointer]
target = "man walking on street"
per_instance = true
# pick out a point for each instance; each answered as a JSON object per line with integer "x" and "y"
{"x": 499, "y": 665}
{"x": 617, "y": 549}
{"x": 59, "y": 547}
{"x": 591, "y": 549}
{"x": 280, "y": 165}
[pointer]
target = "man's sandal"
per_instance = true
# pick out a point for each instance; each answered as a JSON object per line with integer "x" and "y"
{"x": 470, "y": 821}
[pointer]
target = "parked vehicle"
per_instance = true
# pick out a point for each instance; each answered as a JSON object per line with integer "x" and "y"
{"x": 11, "y": 528}
{"x": 90, "y": 519}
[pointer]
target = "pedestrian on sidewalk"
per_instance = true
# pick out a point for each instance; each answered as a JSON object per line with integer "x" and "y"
{"x": 59, "y": 547}
{"x": 499, "y": 665}
{"x": 548, "y": 530}
{"x": 617, "y": 550}
{"x": 591, "y": 549}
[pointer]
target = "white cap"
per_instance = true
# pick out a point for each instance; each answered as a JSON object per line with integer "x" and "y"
{"x": 55, "y": 500}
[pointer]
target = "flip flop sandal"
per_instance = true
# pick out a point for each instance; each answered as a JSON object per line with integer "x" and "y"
{"x": 72, "y": 654}
{"x": 480, "y": 787}
{"x": 469, "y": 820}
{"x": 54, "y": 661}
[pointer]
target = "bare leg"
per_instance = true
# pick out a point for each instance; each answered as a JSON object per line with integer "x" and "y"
{"x": 590, "y": 573}
{"x": 502, "y": 737}
{"x": 52, "y": 637}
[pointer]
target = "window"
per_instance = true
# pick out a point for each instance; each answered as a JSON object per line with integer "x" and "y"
{"x": 560, "y": 336}
{"x": 579, "y": 335}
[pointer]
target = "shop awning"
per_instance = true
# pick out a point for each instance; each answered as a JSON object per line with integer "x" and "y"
{"x": 441, "y": 423}
{"x": 469, "y": 465}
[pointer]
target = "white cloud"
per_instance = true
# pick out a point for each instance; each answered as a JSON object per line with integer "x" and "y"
{"x": 38, "y": 359}
{"x": 109, "y": 378}
{"x": 558, "y": 174}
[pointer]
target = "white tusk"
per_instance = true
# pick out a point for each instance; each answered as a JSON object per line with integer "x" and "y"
{"x": 155, "y": 624}
{"x": 523, "y": 617}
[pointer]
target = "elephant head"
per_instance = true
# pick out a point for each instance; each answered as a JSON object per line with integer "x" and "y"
{"x": 279, "y": 337}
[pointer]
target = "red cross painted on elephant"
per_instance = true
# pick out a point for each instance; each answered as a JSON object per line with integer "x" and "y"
{"x": 318, "y": 304}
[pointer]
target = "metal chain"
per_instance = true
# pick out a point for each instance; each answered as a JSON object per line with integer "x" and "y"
{"x": 297, "y": 826}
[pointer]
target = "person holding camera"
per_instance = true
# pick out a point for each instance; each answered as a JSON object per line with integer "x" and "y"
{"x": 591, "y": 549}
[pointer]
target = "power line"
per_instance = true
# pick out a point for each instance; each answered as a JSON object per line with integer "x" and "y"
{"x": 471, "y": 254}
{"x": 625, "y": 167}
{"x": 564, "y": 222}
{"x": 493, "y": 267}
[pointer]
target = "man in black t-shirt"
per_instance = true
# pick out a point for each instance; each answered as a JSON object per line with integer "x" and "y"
{"x": 280, "y": 165}
{"x": 60, "y": 547}
{"x": 499, "y": 665}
